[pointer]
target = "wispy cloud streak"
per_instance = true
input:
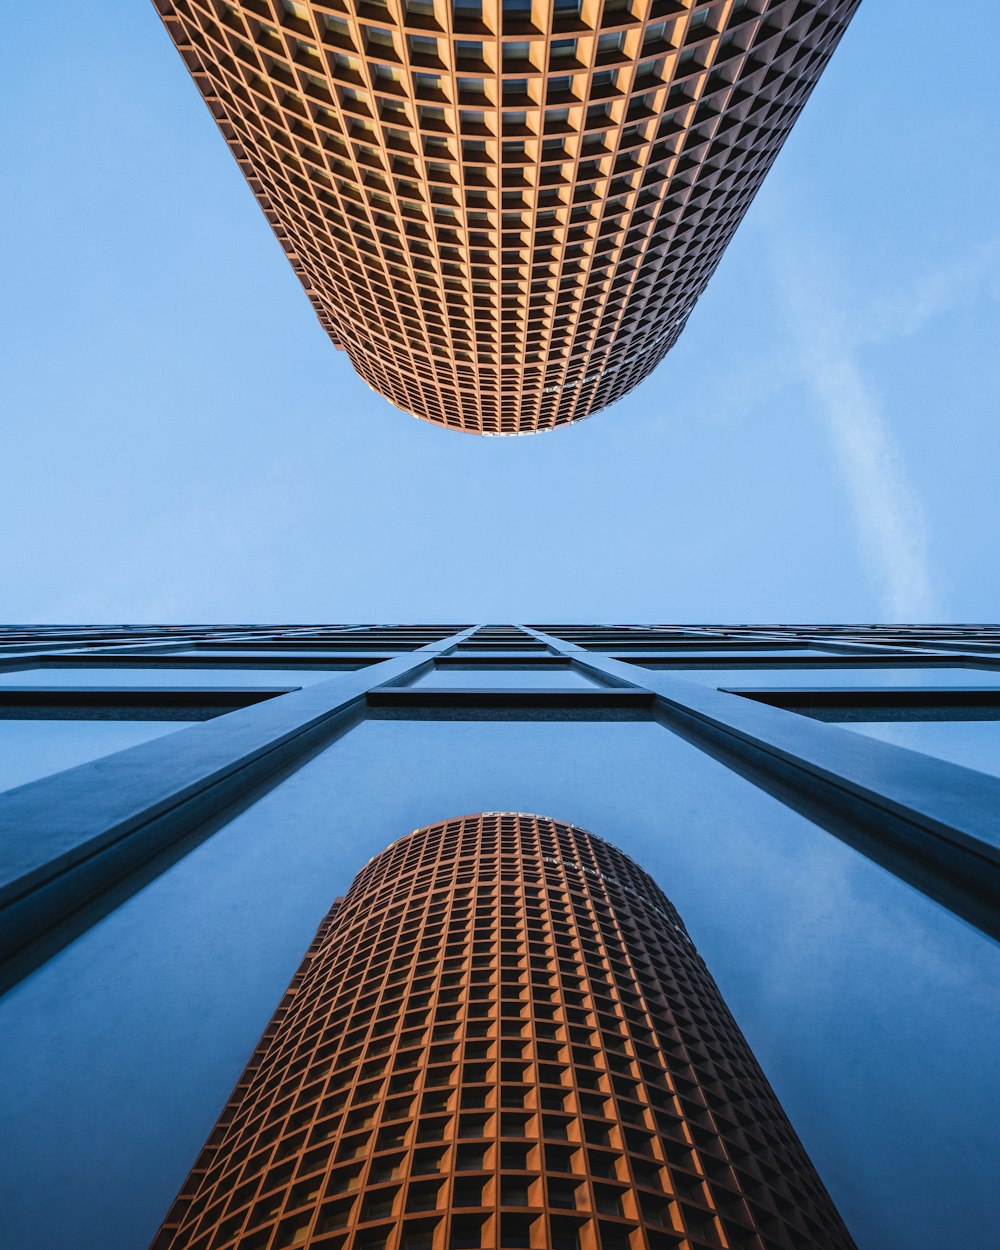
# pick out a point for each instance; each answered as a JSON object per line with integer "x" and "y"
{"x": 887, "y": 512}
{"x": 955, "y": 282}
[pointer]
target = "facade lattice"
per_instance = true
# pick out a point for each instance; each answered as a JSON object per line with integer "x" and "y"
{"x": 505, "y": 210}
{"x": 503, "y": 1037}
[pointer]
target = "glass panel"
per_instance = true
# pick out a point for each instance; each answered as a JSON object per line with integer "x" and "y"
{"x": 276, "y": 653}
{"x": 113, "y": 678}
{"x": 517, "y": 647}
{"x": 871, "y": 1009}
{"x": 902, "y": 676}
{"x": 693, "y": 653}
{"x": 505, "y": 677}
{"x": 30, "y": 749}
{"x": 971, "y": 743}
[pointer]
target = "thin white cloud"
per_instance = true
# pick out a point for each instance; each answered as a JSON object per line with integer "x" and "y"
{"x": 887, "y": 512}
{"x": 958, "y": 281}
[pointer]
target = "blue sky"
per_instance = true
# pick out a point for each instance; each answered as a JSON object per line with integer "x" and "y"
{"x": 183, "y": 443}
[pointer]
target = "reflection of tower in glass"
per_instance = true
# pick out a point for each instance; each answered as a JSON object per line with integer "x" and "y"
{"x": 504, "y": 211}
{"x": 503, "y": 1037}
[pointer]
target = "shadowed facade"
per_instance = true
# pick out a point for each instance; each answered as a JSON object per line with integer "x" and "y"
{"x": 505, "y": 212}
{"x": 503, "y": 1037}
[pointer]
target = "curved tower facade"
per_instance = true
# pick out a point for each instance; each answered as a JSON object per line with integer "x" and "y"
{"x": 504, "y": 210}
{"x": 503, "y": 1037}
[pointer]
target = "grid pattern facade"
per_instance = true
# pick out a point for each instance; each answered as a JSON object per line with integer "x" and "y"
{"x": 109, "y": 640}
{"x": 505, "y": 210}
{"x": 503, "y": 1036}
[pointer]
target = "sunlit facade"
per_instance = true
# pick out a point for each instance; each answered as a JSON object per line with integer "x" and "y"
{"x": 504, "y": 212}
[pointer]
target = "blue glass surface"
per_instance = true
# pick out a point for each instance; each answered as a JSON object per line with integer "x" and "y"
{"x": 30, "y": 749}
{"x": 872, "y": 1010}
{"x": 512, "y": 648}
{"x": 505, "y": 678}
{"x": 972, "y": 743}
{"x": 704, "y": 653}
{"x": 275, "y": 653}
{"x": 111, "y": 678}
{"x": 918, "y": 676}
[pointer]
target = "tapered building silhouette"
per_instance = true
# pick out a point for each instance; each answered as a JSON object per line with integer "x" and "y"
{"x": 503, "y": 1037}
{"x": 505, "y": 210}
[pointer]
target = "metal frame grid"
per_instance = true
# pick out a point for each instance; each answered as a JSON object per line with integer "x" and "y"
{"x": 74, "y": 841}
{"x": 504, "y": 211}
{"x": 503, "y": 1037}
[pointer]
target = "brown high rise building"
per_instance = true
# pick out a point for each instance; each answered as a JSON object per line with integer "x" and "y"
{"x": 505, "y": 210}
{"x": 503, "y": 1037}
